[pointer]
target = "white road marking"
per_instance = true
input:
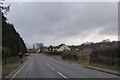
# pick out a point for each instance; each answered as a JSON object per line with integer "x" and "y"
{"x": 48, "y": 64}
{"x": 19, "y": 70}
{"x": 55, "y": 70}
{"x": 62, "y": 75}
{"x": 52, "y": 67}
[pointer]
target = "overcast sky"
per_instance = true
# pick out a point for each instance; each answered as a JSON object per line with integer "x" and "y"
{"x": 71, "y": 23}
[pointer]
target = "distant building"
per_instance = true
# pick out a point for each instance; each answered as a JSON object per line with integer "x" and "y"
{"x": 37, "y": 45}
{"x": 60, "y": 47}
{"x": 33, "y": 46}
{"x": 63, "y": 47}
{"x": 40, "y": 46}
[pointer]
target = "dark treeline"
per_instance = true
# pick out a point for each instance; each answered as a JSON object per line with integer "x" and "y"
{"x": 12, "y": 43}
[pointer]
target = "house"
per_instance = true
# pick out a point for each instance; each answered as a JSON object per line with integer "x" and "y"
{"x": 62, "y": 47}
{"x": 55, "y": 48}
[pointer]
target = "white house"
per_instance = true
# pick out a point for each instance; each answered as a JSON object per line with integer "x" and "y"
{"x": 55, "y": 48}
{"x": 63, "y": 47}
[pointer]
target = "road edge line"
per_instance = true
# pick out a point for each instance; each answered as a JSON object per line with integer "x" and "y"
{"x": 62, "y": 75}
{"x": 19, "y": 69}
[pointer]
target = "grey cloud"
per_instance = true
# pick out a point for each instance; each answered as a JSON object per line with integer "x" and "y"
{"x": 52, "y": 21}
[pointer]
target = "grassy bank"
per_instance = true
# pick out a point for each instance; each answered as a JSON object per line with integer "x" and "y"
{"x": 83, "y": 62}
{"x": 115, "y": 68}
{"x": 86, "y": 63}
{"x": 6, "y": 69}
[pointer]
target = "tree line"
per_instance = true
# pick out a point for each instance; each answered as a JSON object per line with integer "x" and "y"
{"x": 12, "y": 43}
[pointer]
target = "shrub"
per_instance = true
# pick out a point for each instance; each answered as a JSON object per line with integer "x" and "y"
{"x": 53, "y": 52}
{"x": 69, "y": 55}
{"x": 106, "y": 56}
{"x": 5, "y": 52}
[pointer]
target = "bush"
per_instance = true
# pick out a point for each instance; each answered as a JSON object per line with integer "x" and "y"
{"x": 69, "y": 55}
{"x": 106, "y": 56}
{"x": 53, "y": 52}
{"x": 5, "y": 52}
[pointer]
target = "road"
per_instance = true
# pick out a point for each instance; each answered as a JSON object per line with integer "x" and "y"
{"x": 42, "y": 66}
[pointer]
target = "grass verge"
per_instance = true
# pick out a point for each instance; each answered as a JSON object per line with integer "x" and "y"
{"x": 6, "y": 69}
{"x": 86, "y": 63}
{"x": 83, "y": 62}
{"x": 115, "y": 68}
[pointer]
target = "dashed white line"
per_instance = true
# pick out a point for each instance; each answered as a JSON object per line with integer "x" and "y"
{"x": 62, "y": 75}
{"x": 19, "y": 70}
{"x": 52, "y": 67}
{"x": 47, "y": 64}
{"x": 56, "y": 71}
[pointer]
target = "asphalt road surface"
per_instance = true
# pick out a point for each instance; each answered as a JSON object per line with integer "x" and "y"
{"x": 42, "y": 66}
